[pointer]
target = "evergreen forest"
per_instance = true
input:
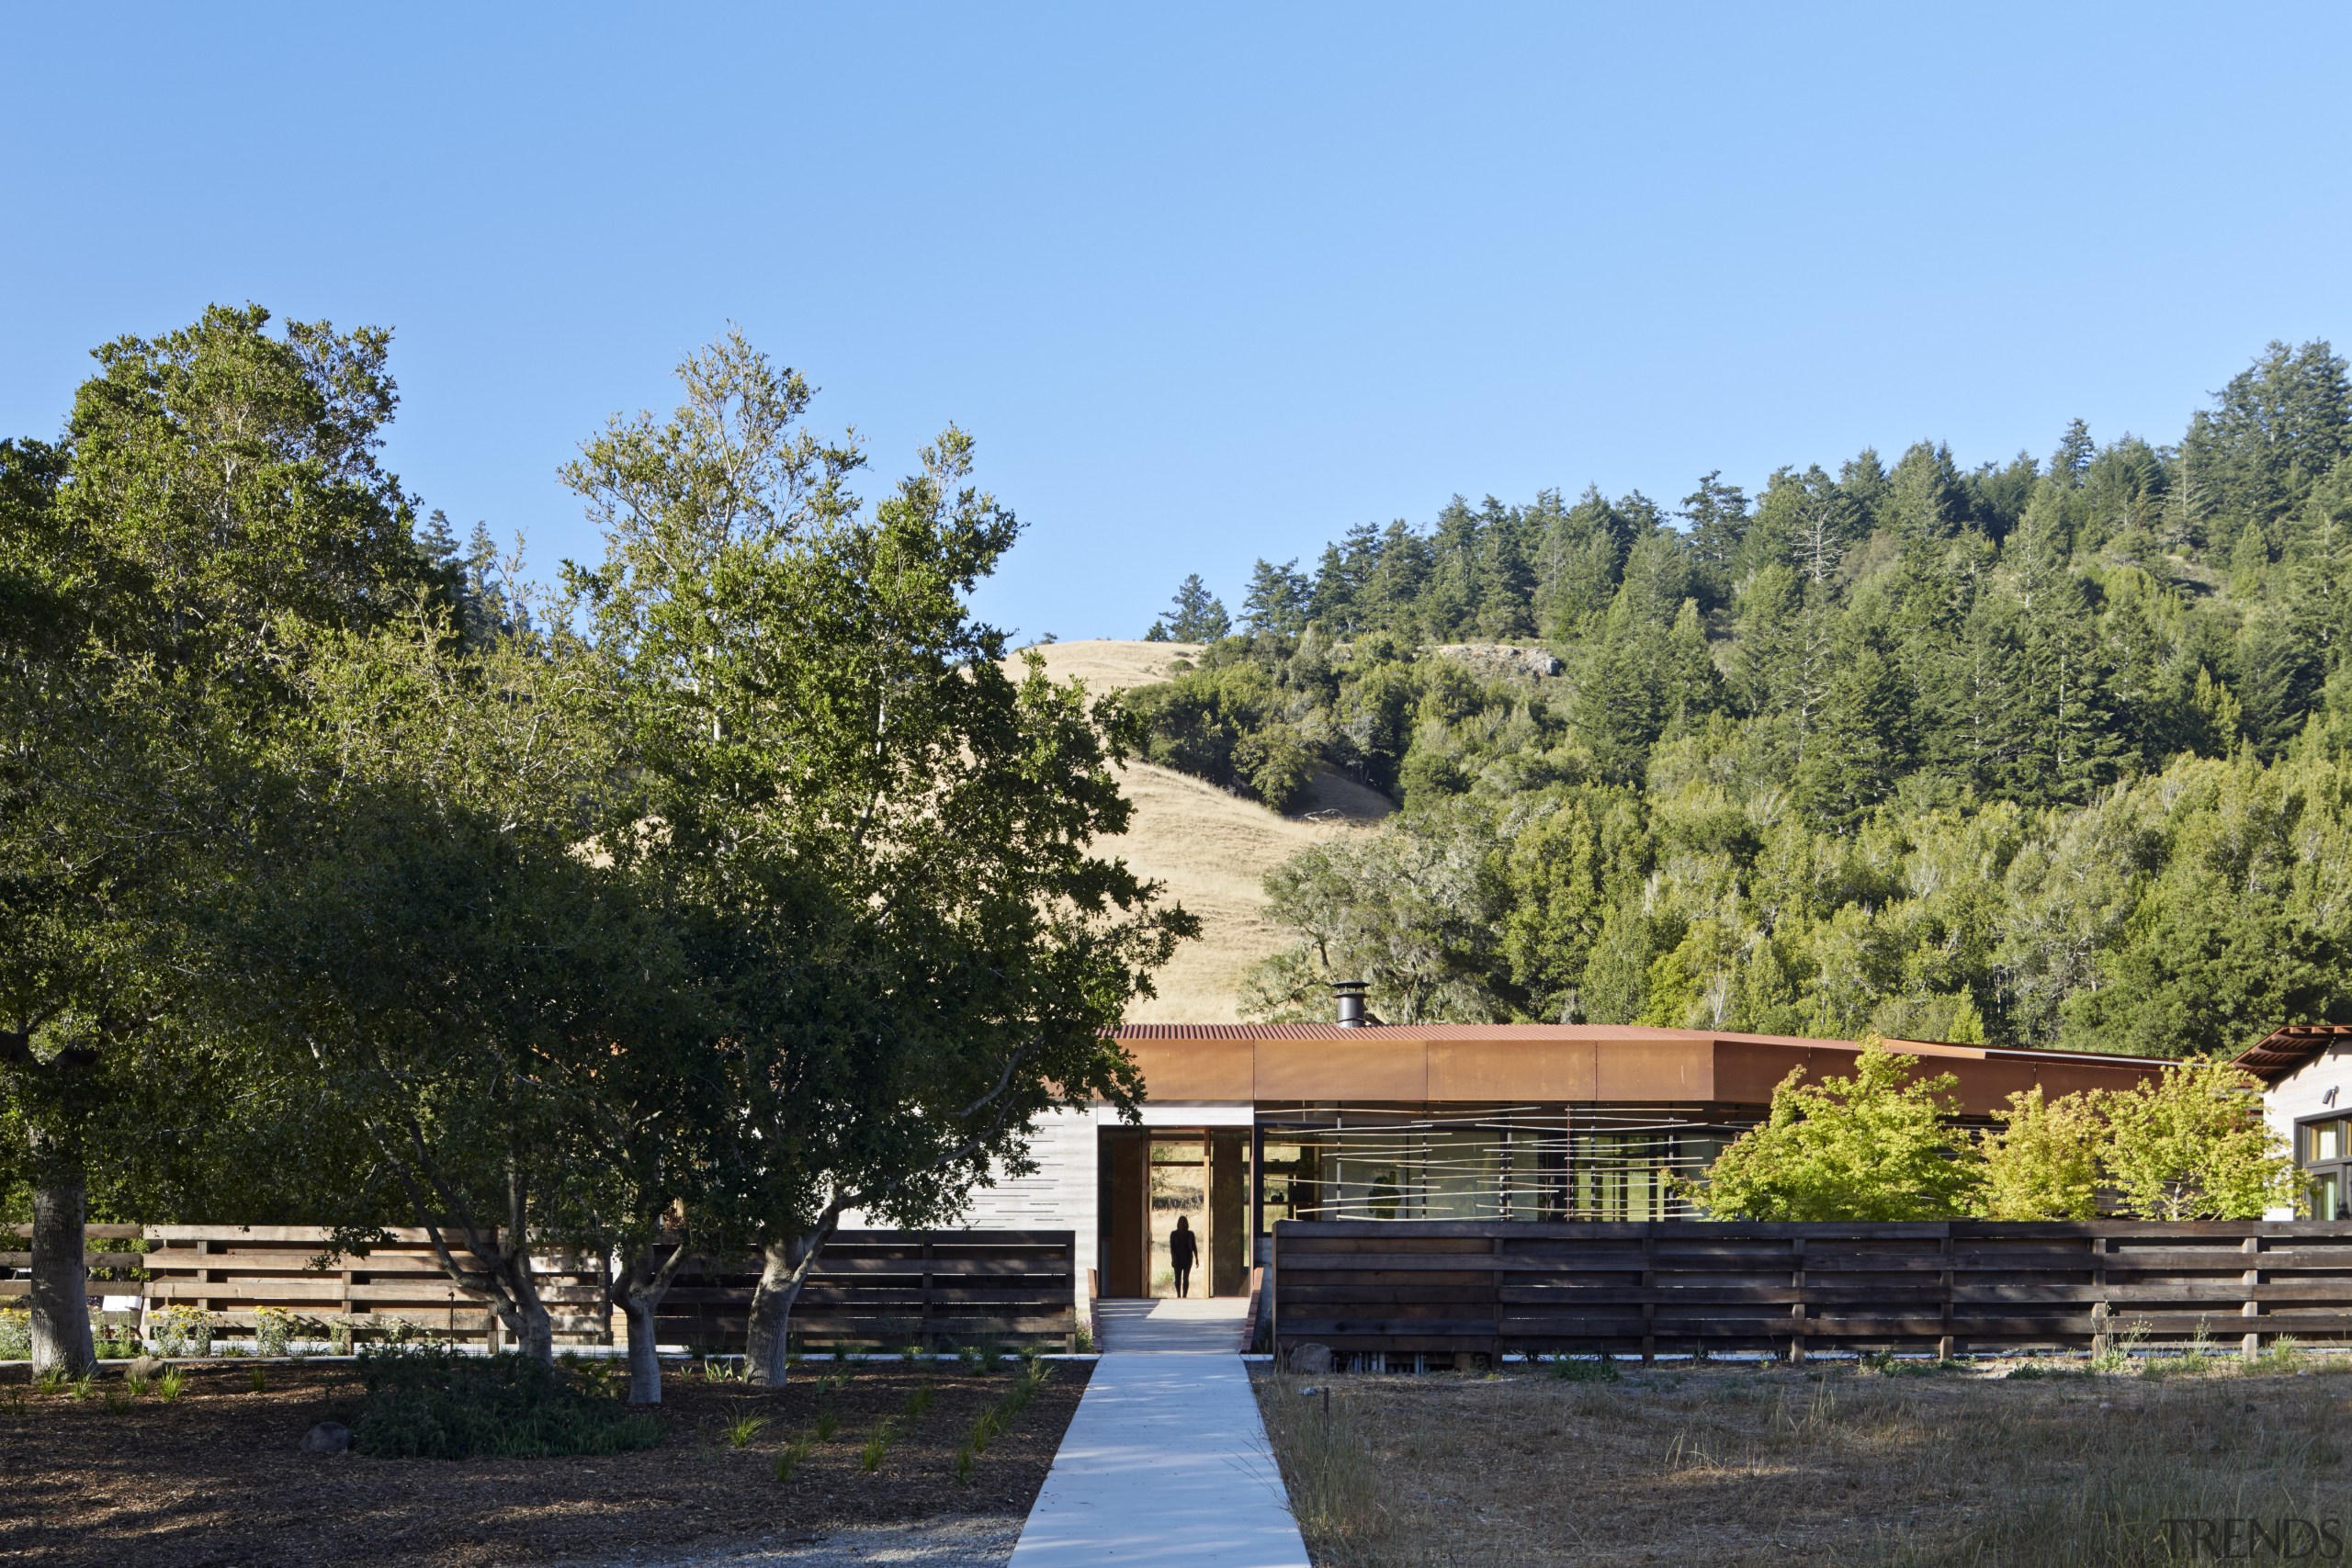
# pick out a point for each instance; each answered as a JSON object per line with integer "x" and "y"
{"x": 2056, "y": 751}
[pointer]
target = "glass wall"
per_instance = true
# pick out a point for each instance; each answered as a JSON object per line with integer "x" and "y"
{"x": 2323, "y": 1148}
{"x": 1526, "y": 1164}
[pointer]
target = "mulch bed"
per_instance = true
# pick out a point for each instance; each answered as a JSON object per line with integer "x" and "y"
{"x": 217, "y": 1477}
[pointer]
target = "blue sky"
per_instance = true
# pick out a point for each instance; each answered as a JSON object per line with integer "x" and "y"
{"x": 1205, "y": 283}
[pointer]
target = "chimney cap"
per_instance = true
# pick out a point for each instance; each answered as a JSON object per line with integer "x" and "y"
{"x": 1350, "y": 995}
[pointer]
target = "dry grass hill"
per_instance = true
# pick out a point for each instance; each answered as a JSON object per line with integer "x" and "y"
{"x": 1211, "y": 849}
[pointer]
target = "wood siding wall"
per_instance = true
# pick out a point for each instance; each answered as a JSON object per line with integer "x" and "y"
{"x": 1679, "y": 1287}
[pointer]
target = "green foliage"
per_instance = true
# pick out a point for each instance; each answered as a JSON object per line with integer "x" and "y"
{"x": 1223, "y": 721}
{"x": 790, "y": 1457}
{"x": 2031, "y": 754}
{"x": 1583, "y": 1369}
{"x": 2192, "y": 1144}
{"x": 1877, "y": 1145}
{"x": 743, "y": 1430}
{"x": 876, "y": 835}
{"x": 437, "y": 1403}
{"x": 181, "y": 1330}
{"x": 2042, "y": 1163}
{"x": 877, "y": 1446}
{"x": 15, "y": 1333}
{"x": 1195, "y": 614}
{"x": 273, "y": 1330}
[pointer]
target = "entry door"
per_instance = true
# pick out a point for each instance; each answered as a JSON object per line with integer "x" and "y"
{"x": 1127, "y": 1213}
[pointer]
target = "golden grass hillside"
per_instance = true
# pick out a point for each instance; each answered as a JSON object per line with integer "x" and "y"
{"x": 1212, "y": 849}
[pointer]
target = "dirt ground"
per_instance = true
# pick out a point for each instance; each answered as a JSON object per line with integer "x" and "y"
{"x": 216, "y": 1477}
{"x": 1829, "y": 1465}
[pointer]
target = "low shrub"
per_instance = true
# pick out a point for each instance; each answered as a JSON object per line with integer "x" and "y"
{"x": 870, "y": 1458}
{"x": 181, "y": 1331}
{"x": 15, "y": 1334}
{"x": 435, "y": 1403}
{"x": 1584, "y": 1368}
{"x": 274, "y": 1330}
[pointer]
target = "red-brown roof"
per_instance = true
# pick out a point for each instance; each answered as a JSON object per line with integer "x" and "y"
{"x": 1592, "y": 1034}
{"x": 2283, "y": 1050}
{"x": 1554, "y": 1062}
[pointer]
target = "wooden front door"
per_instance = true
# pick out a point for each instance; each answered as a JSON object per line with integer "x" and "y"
{"x": 1127, "y": 1213}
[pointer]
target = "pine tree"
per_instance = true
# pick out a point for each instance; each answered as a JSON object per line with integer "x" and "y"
{"x": 1195, "y": 614}
{"x": 1277, "y": 599}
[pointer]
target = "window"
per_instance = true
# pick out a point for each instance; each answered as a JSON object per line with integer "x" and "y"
{"x": 2323, "y": 1148}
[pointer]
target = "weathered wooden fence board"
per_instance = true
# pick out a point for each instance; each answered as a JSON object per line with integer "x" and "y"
{"x": 870, "y": 1286}
{"x": 1497, "y": 1287}
{"x": 889, "y": 1289}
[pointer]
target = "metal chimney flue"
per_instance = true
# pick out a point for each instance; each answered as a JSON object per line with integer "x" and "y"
{"x": 1351, "y": 998}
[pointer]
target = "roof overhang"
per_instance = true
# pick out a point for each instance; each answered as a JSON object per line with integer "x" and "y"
{"x": 1570, "y": 1064}
{"x": 2283, "y": 1050}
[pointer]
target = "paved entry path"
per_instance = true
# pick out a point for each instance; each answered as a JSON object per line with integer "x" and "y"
{"x": 1166, "y": 1462}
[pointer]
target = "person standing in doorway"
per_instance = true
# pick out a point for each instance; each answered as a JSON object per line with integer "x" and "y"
{"x": 1182, "y": 1248}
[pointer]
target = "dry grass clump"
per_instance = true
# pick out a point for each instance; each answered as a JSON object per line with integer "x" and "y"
{"x": 1731, "y": 1463}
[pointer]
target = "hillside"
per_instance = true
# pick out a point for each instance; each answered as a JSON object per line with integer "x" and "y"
{"x": 1212, "y": 849}
{"x": 2040, "y": 752}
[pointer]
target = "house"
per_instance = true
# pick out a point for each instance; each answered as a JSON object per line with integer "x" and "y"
{"x": 1245, "y": 1124}
{"x": 2306, "y": 1073}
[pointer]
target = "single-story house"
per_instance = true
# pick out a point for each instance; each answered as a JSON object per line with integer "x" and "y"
{"x": 2306, "y": 1072}
{"x": 1245, "y": 1124}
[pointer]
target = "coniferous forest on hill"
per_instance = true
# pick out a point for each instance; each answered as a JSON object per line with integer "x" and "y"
{"x": 2051, "y": 753}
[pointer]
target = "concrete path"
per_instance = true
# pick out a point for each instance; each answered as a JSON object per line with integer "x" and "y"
{"x": 1166, "y": 1462}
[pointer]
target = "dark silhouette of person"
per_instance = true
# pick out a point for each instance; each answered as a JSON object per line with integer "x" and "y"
{"x": 1182, "y": 1248}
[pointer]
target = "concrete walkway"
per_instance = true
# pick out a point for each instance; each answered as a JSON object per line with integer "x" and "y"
{"x": 1166, "y": 1462}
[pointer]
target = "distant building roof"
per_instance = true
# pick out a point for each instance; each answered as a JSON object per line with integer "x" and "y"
{"x": 2282, "y": 1051}
{"x": 1558, "y": 1061}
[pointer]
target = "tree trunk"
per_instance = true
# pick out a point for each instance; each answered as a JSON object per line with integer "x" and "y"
{"x": 644, "y": 1356}
{"x": 60, "y": 1298}
{"x": 528, "y": 1327}
{"x": 531, "y": 1329}
{"x": 784, "y": 1270}
{"x": 638, "y": 1290}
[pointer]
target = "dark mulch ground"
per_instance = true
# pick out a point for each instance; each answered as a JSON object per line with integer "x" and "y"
{"x": 217, "y": 1477}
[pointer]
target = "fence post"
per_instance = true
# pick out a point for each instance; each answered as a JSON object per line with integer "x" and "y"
{"x": 2251, "y": 1346}
{"x": 2101, "y": 1246}
{"x": 1495, "y": 1326}
{"x": 922, "y": 1329}
{"x": 1796, "y": 1310}
{"x": 1944, "y": 1344}
{"x": 1273, "y": 1294}
{"x": 1649, "y": 1295}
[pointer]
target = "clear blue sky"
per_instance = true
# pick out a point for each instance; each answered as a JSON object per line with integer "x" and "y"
{"x": 1207, "y": 283}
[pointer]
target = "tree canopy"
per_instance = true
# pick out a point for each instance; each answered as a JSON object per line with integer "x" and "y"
{"x": 2045, "y": 751}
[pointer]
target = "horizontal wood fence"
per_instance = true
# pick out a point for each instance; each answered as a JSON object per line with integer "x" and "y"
{"x": 891, "y": 1288}
{"x": 233, "y": 1273}
{"x": 104, "y": 1262}
{"x": 870, "y": 1286}
{"x": 1696, "y": 1286}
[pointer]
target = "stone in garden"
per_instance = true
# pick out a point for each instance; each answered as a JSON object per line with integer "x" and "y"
{"x": 327, "y": 1437}
{"x": 1310, "y": 1357}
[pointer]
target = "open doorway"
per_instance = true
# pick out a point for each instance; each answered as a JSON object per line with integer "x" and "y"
{"x": 1152, "y": 1179}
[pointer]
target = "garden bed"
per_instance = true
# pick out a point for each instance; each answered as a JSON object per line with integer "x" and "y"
{"x": 1902, "y": 1463}
{"x": 215, "y": 1476}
